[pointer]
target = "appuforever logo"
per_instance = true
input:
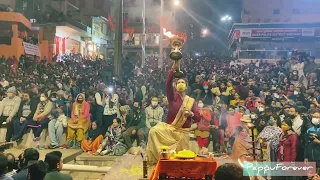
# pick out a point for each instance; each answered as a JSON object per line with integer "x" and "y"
{"x": 279, "y": 168}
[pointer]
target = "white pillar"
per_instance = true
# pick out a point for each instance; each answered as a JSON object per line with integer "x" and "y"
{"x": 144, "y": 33}
{"x": 160, "y": 62}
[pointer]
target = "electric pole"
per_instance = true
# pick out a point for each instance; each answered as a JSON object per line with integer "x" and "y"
{"x": 118, "y": 38}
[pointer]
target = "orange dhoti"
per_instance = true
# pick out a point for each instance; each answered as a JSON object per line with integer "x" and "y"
{"x": 93, "y": 147}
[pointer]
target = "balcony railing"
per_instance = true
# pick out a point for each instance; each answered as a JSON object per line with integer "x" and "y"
{"x": 264, "y": 54}
{"x": 77, "y": 24}
{"x": 63, "y": 19}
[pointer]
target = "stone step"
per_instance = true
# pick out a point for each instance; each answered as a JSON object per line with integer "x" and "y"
{"x": 86, "y": 159}
{"x": 27, "y": 139}
{"x": 68, "y": 155}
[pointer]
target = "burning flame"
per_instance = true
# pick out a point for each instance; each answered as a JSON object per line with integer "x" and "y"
{"x": 168, "y": 33}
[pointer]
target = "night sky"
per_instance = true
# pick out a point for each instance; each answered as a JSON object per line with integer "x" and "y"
{"x": 207, "y": 14}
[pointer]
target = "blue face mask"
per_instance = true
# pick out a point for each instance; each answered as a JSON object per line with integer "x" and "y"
{"x": 270, "y": 122}
{"x": 205, "y": 87}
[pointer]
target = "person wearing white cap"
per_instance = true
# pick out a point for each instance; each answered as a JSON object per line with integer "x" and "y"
{"x": 8, "y": 111}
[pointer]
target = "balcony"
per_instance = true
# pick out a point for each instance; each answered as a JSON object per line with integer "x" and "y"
{"x": 14, "y": 17}
{"x": 264, "y": 54}
{"x": 61, "y": 20}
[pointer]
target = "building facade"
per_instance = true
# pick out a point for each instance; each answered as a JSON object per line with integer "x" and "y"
{"x": 280, "y": 11}
{"x": 133, "y": 25}
{"x": 272, "y": 29}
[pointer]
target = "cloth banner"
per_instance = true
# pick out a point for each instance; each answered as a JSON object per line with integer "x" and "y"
{"x": 31, "y": 49}
{"x": 111, "y": 23}
{"x": 125, "y": 22}
{"x": 57, "y": 45}
{"x": 129, "y": 30}
{"x": 60, "y": 45}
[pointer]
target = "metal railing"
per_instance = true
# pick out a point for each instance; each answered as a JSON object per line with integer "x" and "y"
{"x": 264, "y": 54}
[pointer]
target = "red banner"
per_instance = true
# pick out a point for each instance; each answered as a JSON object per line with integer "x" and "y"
{"x": 125, "y": 22}
{"x": 276, "y": 32}
{"x": 111, "y": 23}
{"x": 57, "y": 45}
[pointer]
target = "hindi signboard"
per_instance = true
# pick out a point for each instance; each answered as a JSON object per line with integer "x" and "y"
{"x": 31, "y": 49}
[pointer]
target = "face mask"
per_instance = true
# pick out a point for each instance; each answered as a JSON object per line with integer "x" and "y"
{"x": 295, "y": 92}
{"x": 292, "y": 116}
{"x": 181, "y": 87}
{"x": 154, "y": 103}
{"x": 253, "y": 116}
{"x": 243, "y": 134}
{"x": 261, "y": 109}
{"x": 315, "y": 121}
{"x": 276, "y": 95}
{"x": 79, "y": 101}
{"x": 43, "y": 98}
{"x": 200, "y": 105}
{"x": 205, "y": 87}
{"x": 270, "y": 122}
{"x": 53, "y": 99}
{"x": 285, "y": 127}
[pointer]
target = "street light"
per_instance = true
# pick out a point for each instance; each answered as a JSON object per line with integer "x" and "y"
{"x": 204, "y": 32}
{"x": 176, "y": 2}
{"x": 226, "y": 18}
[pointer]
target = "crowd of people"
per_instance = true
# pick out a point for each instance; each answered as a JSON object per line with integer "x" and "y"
{"x": 28, "y": 166}
{"x": 279, "y": 102}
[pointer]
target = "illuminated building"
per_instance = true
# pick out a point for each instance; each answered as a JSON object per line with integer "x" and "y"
{"x": 272, "y": 29}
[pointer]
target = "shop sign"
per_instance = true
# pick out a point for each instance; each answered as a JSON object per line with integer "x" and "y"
{"x": 276, "y": 33}
{"x": 31, "y": 49}
{"x": 308, "y": 32}
{"x": 96, "y": 29}
{"x": 89, "y": 30}
{"x": 245, "y": 33}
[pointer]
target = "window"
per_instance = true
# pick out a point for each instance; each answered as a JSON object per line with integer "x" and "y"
{"x": 276, "y": 11}
{"x": 82, "y": 3}
{"x": 266, "y": 20}
{"x": 73, "y": 2}
{"x": 287, "y": 20}
{"x": 125, "y": 15}
{"x": 276, "y": 20}
{"x": 98, "y": 4}
{"x": 246, "y": 12}
{"x": 296, "y": 11}
{"x": 317, "y": 55}
{"x": 138, "y": 19}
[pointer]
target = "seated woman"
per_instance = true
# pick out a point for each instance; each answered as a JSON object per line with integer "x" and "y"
{"x": 79, "y": 123}
{"x": 241, "y": 145}
{"x": 113, "y": 143}
{"x": 40, "y": 118}
{"x": 92, "y": 143}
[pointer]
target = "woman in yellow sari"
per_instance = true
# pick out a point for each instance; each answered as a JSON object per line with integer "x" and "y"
{"x": 79, "y": 122}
